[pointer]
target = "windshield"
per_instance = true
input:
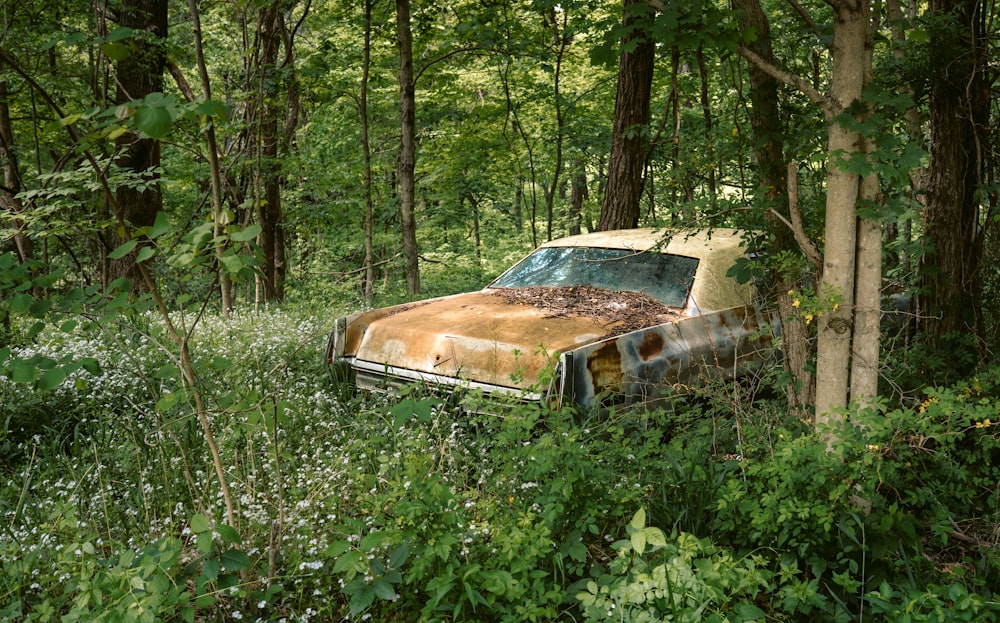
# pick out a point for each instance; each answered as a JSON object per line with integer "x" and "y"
{"x": 667, "y": 278}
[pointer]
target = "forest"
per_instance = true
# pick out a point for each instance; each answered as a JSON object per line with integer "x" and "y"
{"x": 194, "y": 191}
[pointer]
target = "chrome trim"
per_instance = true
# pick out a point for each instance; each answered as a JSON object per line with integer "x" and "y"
{"x": 371, "y": 375}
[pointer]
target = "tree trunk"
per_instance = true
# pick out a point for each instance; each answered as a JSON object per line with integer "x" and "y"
{"x": 269, "y": 210}
{"x": 138, "y": 75}
{"x": 213, "y": 153}
{"x": 9, "y": 200}
{"x": 407, "y": 147}
{"x": 629, "y": 138}
{"x": 959, "y": 116}
{"x": 366, "y": 151}
{"x": 578, "y": 194}
{"x": 768, "y": 131}
{"x": 836, "y": 323}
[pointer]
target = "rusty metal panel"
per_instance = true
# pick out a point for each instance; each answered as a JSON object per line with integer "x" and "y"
{"x": 643, "y": 364}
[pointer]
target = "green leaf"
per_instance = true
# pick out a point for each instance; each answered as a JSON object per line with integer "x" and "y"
{"x": 228, "y": 533}
{"x": 200, "y": 523}
{"x": 361, "y": 601}
{"x": 115, "y": 51}
{"x": 213, "y": 108}
{"x": 160, "y": 226}
{"x": 639, "y": 519}
{"x": 145, "y": 253}
{"x": 123, "y": 249}
{"x": 399, "y": 556}
{"x": 51, "y": 379}
{"x": 154, "y": 122}
{"x": 337, "y": 548}
{"x": 235, "y": 560}
{"x": 374, "y": 539}
{"x": 22, "y": 371}
{"x": 21, "y": 303}
{"x": 205, "y": 542}
{"x": 384, "y": 590}
{"x": 247, "y": 234}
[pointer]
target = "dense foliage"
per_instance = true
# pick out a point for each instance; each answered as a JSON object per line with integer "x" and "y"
{"x": 408, "y": 508}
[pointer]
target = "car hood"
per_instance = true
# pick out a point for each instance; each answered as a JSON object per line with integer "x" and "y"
{"x": 477, "y": 336}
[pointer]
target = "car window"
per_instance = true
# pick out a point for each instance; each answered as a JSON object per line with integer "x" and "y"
{"x": 667, "y": 278}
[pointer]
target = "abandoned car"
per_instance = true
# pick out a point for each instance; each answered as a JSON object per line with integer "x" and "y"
{"x": 596, "y": 320}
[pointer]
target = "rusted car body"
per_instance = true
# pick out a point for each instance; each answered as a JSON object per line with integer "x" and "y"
{"x": 606, "y": 318}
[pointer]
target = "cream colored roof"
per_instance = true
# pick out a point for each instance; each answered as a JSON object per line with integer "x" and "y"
{"x": 717, "y": 250}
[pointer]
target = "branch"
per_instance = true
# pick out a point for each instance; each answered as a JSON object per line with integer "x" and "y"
{"x": 805, "y": 244}
{"x": 826, "y": 104}
{"x": 802, "y": 13}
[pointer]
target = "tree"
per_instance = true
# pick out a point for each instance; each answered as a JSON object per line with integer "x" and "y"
{"x": 276, "y": 119}
{"x": 9, "y": 200}
{"x": 630, "y": 139}
{"x": 960, "y": 94}
{"x": 138, "y": 74}
{"x": 407, "y": 146}
{"x": 843, "y": 110}
{"x": 775, "y": 177}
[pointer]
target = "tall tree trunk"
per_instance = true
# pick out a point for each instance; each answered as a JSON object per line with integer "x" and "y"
{"x": 629, "y": 138}
{"x": 366, "y": 150}
{"x": 269, "y": 210}
{"x": 959, "y": 116}
{"x": 560, "y": 43}
{"x": 9, "y": 200}
{"x": 138, "y": 75}
{"x": 407, "y": 147}
{"x": 768, "y": 131}
{"x": 836, "y": 324}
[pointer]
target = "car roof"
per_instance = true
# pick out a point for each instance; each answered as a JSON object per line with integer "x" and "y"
{"x": 690, "y": 242}
{"x": 713, "y": 288}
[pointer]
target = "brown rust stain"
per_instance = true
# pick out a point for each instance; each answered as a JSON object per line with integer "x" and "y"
{"x": 605, "y": 365}
{"x": 652, "y": 345}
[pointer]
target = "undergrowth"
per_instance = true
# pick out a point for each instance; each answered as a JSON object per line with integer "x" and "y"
{"x": 407, "y": 509}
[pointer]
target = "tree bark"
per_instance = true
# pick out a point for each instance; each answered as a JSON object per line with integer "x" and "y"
{"x": 407, "y": 147}
{"x": 366, "y": 150}
{"x": 630, "y": 132}
{"x": 138, "y": 75}
{"x": 12, "y": 179}
{"x": 269, "y": 211}
{"x": 959, "y": 118}
{"x": 836, "y": 324}
{"x": 768, "y": 131}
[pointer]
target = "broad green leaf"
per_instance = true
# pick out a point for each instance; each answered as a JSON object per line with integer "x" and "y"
{"x": 639, "y": 519}
{"x": 337, "y": 548}
{"x": 228, "y": 533}
{"x": 200, "y": 523}
{"x": 145, "y": 253}
{"x": 160, "y": 226}
{"x": 154, "y": 122}
{"x": 374, "y": 539}
{"x": 361, "y": 601}
{"x": 205, "y": 542}
{"x": 123, "y": 249}
{"x": 51, "y": 379}
{"x": 235, "y": 560}
{"x": 115, "y": 51}
{"x": 21, "y": 303}
{"x": 246, "y": 234}
{"x": 384, "y": 590}
{"x": 22, "y": 371}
